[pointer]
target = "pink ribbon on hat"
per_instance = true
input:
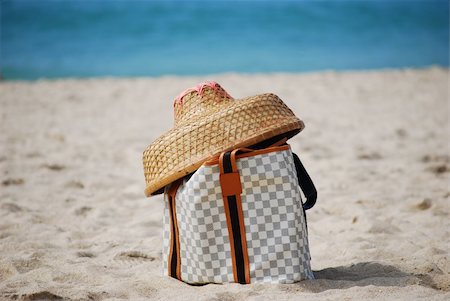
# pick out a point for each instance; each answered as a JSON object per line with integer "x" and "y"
{"x": 199, "y": 89}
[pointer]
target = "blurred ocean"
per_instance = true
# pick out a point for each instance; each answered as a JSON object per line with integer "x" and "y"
{"x": 138, "y": 38}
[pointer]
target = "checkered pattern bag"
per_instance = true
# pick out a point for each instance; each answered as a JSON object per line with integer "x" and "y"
{"x": 240, "y": 218}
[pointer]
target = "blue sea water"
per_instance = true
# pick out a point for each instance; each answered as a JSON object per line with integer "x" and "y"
{"x": 70, "y": 38}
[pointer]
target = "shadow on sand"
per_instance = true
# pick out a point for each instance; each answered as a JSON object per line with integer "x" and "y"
{"x": 363, "y": 274}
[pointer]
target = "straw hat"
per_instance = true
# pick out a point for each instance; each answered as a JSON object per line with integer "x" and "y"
{"x": 209, "y": 121}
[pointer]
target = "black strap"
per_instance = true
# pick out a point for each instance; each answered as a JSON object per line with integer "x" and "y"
{"x": 173, "y": 259}
{"x": 305, "y": 183}
{"x": 234, "y": 217}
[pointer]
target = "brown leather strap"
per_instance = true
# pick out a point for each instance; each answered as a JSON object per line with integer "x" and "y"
{"x": 174, "y": 260}
{"x": 231, "y": 192}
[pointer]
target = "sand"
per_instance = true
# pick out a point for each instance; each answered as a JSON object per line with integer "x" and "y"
{"x": 74, "y": 222}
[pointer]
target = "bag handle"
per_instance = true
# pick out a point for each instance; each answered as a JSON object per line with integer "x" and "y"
{"x": 279, "y": 142}
{"x": 305, "y": 183}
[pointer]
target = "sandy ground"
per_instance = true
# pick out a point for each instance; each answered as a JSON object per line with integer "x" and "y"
{"x": 74, "y": 222}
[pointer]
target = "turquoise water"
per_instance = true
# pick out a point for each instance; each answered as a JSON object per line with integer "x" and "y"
{"x": 151, "y": 38}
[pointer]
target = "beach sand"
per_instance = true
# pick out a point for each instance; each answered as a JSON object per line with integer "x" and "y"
{"x": 74, "y": 222}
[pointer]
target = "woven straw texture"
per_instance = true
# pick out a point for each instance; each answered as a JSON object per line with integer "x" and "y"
{"x": 209, "y": 121}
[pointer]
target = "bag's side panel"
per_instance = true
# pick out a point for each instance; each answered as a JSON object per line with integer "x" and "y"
{"x": 271, "y": 202}
{"x": 302, "y": 230}
{"x": 305, "y": 260}
{"x": 204, "y": 241}
{"x": 166, "y": 236}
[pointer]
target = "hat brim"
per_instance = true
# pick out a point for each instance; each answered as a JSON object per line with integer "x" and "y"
{"x": 239, "y": 123}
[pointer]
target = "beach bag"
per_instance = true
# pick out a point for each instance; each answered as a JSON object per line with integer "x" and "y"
{"x": 240, "y": 218}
